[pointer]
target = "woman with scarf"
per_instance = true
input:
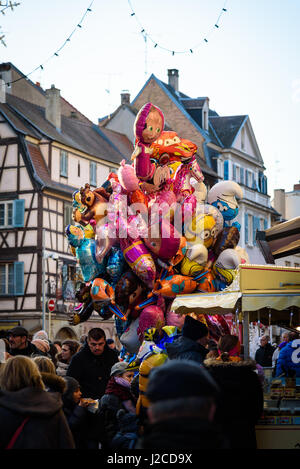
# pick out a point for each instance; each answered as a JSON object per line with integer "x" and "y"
{"x": 241, "y": 400}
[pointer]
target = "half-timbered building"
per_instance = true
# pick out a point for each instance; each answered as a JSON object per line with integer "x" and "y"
{"x": 48, "y": 149}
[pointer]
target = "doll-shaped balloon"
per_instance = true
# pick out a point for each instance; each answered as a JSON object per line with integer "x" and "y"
{"x": 223, "y": 196}
{"x": 129, "y": 292}
{"x": 95, "y": 202}
{"x": 139, "y": 259}
{"x": 225, "y": 267}
{"x": 85, "y": 249}
{"x": 148, "y": 126}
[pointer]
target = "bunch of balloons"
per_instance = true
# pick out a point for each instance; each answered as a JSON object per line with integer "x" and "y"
{"x": 151, "y": 232}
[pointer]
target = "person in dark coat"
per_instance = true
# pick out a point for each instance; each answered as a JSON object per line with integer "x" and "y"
{"x": 264, "y": 353}
{"x": 118, "y": 396}
{"x": 19, "y": 343}
{"x": 240, "y": 403}
{"x": 92, "y": 364}
{"x": 24, "y": 401}
{"x": 191, "y": 345}
{"x": 288, "y": 361}
{"x": 182, "y": 397}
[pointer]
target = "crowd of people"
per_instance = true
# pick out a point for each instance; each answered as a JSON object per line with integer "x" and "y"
{"x": 83, "y": 395}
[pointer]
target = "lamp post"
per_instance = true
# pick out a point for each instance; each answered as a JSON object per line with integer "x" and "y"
{"x": 45, "y": 255}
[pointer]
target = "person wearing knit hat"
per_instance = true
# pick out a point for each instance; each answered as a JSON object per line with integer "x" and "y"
{"x": 42, "y": 345}
{"x": 191, "y": 345}
{"x": 182, "y": 397}
{"x": 75, "y": 409}
{"x": 41, "y": 335}
{"x": 117, "y": 396}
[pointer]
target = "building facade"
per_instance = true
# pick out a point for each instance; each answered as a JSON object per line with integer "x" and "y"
{"x": 48, "y": 150}
{"x": 288, "y": 205}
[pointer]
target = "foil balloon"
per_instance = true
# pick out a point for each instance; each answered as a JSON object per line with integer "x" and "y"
{"x": 129, "y": 339}
{"x": 104, "y": 241}
{"x": 139, "y": 259}
{"x": 163, "y": 240}
{"x": 227, "y": 239}
{"x": 115, "y": 264}
{"x": 151, "y": 316}
{"x": 148, "y": 126}
{"x": 174, "y": 285}
{"x": 169, "y": 147}
{"x": 102, "y": 294}
{"x": 223, "y": 196}
{"x": 95, "y": 202}
{"x": 85, "y": 252}
{"x": 206, "y": 282}
{"x": 174, "y": 319}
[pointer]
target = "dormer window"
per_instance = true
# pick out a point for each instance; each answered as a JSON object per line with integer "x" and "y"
{"x": 243, "y": 138}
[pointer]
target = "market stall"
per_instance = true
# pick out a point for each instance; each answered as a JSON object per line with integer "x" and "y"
{"x": 270, "y": 294}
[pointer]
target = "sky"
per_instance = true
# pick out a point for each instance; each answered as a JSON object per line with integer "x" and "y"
{"x": 250, "y": 64}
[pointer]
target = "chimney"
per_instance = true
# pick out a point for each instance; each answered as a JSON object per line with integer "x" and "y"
{"x": 279, "y": 201}
{"x": 125, "y": 97}
{"x": 2, "y": 92}
{"x": 173, "y": 77}
{"x": 53, "y": 113}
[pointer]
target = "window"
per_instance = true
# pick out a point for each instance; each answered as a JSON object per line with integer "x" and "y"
{"x": 68, "y": 210}
{"x": 243, "y": 138}
{"x": 7, "y": 279}
{"x": 287, "y": 264}
{"x": 12, "y": 213}
{"x": 64, "y": 163}
{"x": 296, "y": 264}
{"x": 93, "y": 173}
{"x": 12, "y": 278}
{"x": 78, "y": 169}
{"x": 6, "y": 214}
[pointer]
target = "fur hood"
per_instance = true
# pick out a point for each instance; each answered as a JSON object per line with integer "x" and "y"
{"x": 247, "y": 363}
{"x": 54, "y": 383}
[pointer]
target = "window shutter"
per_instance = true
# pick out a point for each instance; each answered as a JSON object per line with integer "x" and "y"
{"x": 18, "y": 213}
{"x": 226, "y": 170}
{"x": 246, "y": 229}
{"x": 255, "y": 228}
{"x": 265, "y": 184}
{"x": 234, "y": 172}
{"x": 242, "y": 175}
{"x": 247, "y": 177}
{"x": 19, "y": 278}
{"x": 265, "y": 224}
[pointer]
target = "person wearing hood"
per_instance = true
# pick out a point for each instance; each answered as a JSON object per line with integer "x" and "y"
{"x": 30, "y": 417}
{"x": 52, "y": 382}
{"x": 240, "y": 404}
{"x": 91, "y": 366}
{"x": 191, "y": 345}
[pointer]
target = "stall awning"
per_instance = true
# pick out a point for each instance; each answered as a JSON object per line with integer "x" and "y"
{"x": 225, "y": 302}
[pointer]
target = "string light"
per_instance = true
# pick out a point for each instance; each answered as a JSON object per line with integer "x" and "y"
{"x": 79, "y": 25}
{"x": 186, "y": 51}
